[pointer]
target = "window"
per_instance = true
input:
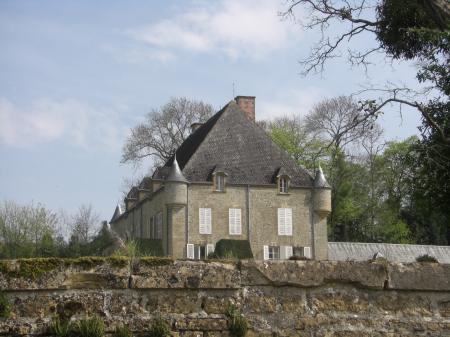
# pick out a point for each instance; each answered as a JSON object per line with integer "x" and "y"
{"x": 234, "y": 221}
{"x": 204, "y": 220}
{"x": 274, "y": 253}
{"x": 156, "y": 224}
{"x": 284, "y": 221}
{"x": 299, "y": 251}
{"x": 271, "y": 252}
{"x": 302, "y": 252}
{"x": 199, "y": 252}
{"x": 159, "y": 224}
{"x": 219, "y": 181}
{"x": 283, "y": 185}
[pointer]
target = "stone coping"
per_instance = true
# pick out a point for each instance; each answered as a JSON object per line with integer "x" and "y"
{"x": 165, "y": 273}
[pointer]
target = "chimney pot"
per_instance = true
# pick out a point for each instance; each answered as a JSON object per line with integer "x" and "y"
{"x": 247, "y": 104}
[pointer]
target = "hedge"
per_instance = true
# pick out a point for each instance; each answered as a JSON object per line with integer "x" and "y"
{"x": 240, "y": 249}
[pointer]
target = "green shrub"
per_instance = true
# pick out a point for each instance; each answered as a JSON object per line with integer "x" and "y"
{"x": 60, "y": 327}
{"x": 5, "y": 307}
{"x": 90, "y": 327}
{"x": 150, "y": 247}
{"x": 239, "y": 249}
{"x": 122, "y": 331}
{"x": 237, "y": 325}
{"x": 426, "y": 258}
{"x": 159, "y": 328}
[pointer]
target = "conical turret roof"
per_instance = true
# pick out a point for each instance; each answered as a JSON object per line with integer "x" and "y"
{"x": 175, "y": 174}
{"x": 319, "y": 180}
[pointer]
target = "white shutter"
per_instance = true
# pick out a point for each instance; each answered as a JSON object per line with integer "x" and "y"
{"x": 284, "y": 221}
{"x": 289, "y": 252}
{"x": 208, "y": 220}
{"x": 190, "y": 251}
{"x": 282, "y": 252}
{"x": 209, "y": 249}
{"x": 288, "y": 221}
{"x": 281, "y": 221}
{"x": 234, "y": 221}
{"x": 204, "y": 220}
{"x": 307, "y": 252}
{"x": 265, "y": 252}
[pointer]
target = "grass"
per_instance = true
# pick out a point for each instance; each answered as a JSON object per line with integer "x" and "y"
{"x": 237, "y": 325}
{"x": 90, "y": 327}
{"x": 122, "y": 331}
{"x": 159, "y": 328}
{"x": 5, "y": 306}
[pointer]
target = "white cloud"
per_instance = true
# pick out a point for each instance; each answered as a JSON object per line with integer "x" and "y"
{"x": 233, "y": 27}
{"x": 290, "y": 102}
{"x": 69, "y": 120}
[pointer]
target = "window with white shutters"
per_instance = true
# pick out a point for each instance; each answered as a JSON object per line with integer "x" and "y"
{"x": 204, "y": 220}
{"x": 285, "y": 252}
{"x": 284, "y": 221}
{"x": 307, "y": 252}
{"x": 234, "y": 221}
{"x": 209, "y": 249}
{"x": 190, "y": 251}
{"x": 265, "y": 252}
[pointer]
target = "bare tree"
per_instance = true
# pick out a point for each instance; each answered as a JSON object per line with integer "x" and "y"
{"x": 361, "y": 19}
{"x": 85, "y": 223}
{"x": 373, "y": 146}
{"x": 164, "y": 130}
{"x": 339, "y": 121}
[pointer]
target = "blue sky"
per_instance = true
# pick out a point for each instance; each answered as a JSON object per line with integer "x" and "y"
{"x": 77, "y": 75}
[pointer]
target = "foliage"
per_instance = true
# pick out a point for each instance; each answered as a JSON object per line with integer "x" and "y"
{"x": 239, "y": 249}
{"x": 164, "y": 130}
{"x": 60, "y": 327}
{"x": 292, "y": 135}
{"x": 30, "y": 268}
{"x": 5, "y": 306}
{"x": 122, "y": 331}
{"x": 426, "y": 258}
{"x": 90, "y": 327}
{"x": 159, "y": 328}
{"x": 149, "y": 247}
{"x": 237, "y": 324}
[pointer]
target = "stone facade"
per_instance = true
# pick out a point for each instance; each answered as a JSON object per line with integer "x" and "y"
{"x": 180, "y": 204}
{"x": 291, "y": 298}
{"x": 231, "y": 172}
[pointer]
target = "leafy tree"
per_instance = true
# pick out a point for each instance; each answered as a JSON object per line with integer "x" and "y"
{"x": 291, "y": 134}
{"x": 164, "y": 130}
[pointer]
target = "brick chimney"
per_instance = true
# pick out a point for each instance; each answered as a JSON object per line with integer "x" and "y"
{"x": 247, "y": 103}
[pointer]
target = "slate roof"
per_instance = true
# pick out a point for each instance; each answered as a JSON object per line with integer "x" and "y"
{"x": 240, "y": 148}
{"x": 342, "y": 251}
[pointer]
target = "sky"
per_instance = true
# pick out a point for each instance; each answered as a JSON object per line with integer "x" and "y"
{"x": 75, "y": 76}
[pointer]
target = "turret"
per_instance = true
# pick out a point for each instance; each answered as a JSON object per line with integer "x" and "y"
{"x": 322, "y": 194}
{"x": 175, "y": 184}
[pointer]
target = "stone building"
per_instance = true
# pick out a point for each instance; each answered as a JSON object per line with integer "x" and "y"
{"x": 228, "y": 180}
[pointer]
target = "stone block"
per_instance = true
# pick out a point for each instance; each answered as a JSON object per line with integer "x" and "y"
{"x": 419, "y": 276}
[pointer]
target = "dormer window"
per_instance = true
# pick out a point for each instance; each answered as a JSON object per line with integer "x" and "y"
{"x": 283, "y": 184}
{"x": 219, "y": 182}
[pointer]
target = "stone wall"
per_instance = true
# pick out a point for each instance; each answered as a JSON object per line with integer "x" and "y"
{"x": 291, "y": 298}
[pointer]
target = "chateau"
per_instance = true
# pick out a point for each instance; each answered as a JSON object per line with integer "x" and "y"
{"x": 229, "y": 180}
